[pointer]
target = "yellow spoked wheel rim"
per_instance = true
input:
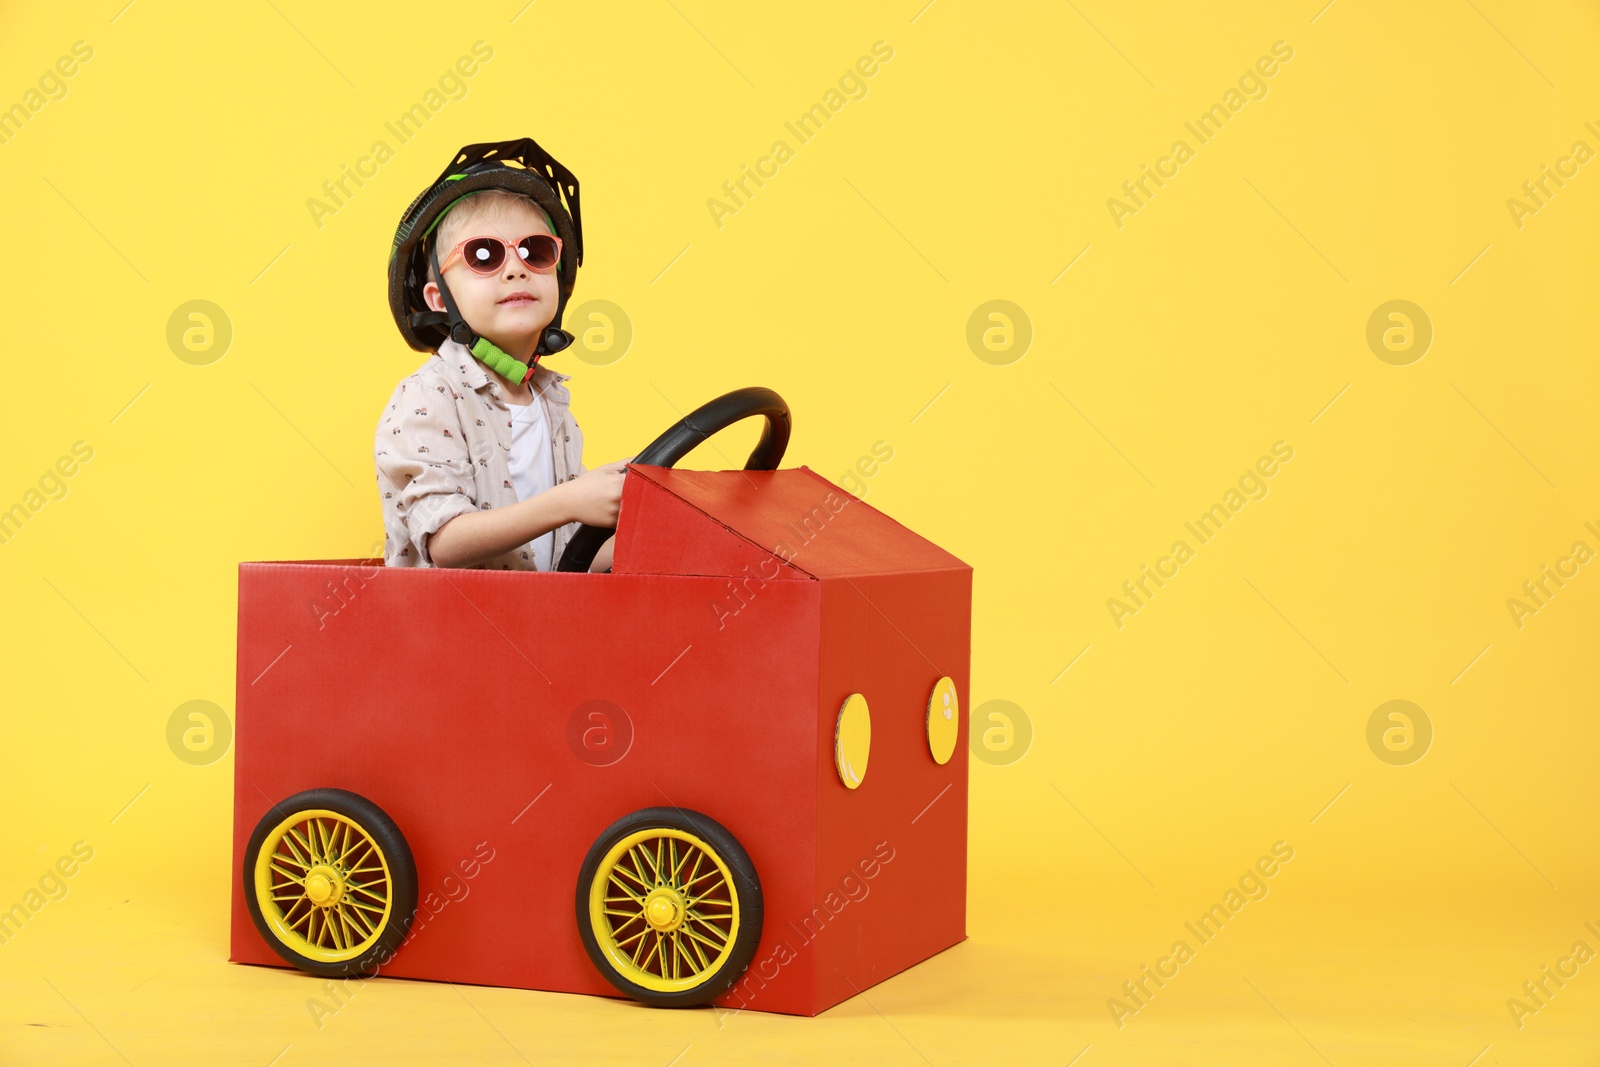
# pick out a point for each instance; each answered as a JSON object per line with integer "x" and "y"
{"x": 663, "y": 909}
{"x": 323, "y": 886}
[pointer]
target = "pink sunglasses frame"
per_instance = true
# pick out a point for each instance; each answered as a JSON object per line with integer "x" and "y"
{"x": 511, "y": 251}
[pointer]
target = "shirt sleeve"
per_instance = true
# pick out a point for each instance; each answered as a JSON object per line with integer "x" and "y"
{"x": 421, "y": 452}
{"x": 578, "y": 430}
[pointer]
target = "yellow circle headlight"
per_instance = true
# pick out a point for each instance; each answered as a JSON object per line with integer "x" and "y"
{"x": 852, "y": 741}
{"x": 944, "y": 720}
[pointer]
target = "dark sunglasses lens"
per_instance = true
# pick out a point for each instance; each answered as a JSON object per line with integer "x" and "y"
{"x": 484, "y": 254}
{"x": 538, "y": 251}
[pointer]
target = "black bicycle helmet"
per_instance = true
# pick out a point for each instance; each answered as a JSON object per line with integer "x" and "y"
{"x": 516, "y": 166}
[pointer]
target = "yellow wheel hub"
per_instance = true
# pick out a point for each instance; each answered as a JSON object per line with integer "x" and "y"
{"x": 323, "y": 886}
{"x": 663, "y": 909}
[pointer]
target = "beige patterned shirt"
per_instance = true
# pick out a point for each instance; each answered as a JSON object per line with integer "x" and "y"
{"x": 441, "y": 450}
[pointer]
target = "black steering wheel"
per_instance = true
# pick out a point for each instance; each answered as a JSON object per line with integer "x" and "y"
{"x": 681, "y": 439}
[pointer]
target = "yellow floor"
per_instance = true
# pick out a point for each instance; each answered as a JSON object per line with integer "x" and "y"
{"x": 106, "y": 977}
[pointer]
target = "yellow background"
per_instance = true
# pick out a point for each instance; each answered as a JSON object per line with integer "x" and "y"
{"x": 1224, "y": 316}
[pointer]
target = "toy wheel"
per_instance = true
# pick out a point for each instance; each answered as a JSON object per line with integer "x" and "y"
{"x": 330, "y": 882}
{"x": 669, "y": 907}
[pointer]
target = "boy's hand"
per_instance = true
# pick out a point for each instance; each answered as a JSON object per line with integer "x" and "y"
{"x": 595, "y": 497}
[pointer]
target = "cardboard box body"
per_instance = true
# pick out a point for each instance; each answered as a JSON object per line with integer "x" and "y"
{"x": 518, "y": 714}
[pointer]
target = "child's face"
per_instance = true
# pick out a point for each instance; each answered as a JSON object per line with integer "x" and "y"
{"x": 512, "y": 306}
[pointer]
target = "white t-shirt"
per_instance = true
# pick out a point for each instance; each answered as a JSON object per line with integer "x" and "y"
{"x": 532, "y": 467}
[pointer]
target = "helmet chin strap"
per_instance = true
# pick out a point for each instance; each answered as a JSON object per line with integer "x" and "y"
{"x": 554, "y": 338}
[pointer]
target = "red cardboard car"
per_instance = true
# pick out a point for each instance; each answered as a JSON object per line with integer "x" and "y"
{"x": 728, "y": 771}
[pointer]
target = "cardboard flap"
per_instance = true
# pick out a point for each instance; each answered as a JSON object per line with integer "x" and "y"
{"x": 795, "y": 516}
{"x": 660, "y": 533}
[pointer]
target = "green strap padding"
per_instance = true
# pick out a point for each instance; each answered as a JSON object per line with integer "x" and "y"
{"x": 513, "y": 370}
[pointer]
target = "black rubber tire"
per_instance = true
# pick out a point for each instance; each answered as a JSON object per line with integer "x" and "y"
{"x": 402, "y": 875}
{"x": 746, "y": 886}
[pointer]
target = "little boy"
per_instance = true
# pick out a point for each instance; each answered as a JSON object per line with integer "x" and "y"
{"x": 479, "y": 459}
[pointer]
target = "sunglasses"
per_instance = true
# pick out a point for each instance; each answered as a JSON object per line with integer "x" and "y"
{"x": 486, "y": 255}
